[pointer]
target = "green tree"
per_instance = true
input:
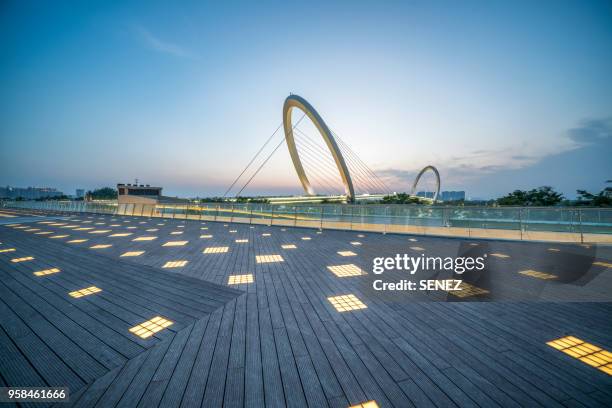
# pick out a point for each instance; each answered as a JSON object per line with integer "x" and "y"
{"x": 401, "y": 198}
{"x": 104, "y": 193}
{"x": 603, "y": 199}
{"x": 542, "y": 197}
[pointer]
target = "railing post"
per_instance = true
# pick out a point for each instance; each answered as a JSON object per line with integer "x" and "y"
{"x": 321, "y": 223}
{"x": 580, "y": 225}
{"x": 271, "y": 215}
{"x": 521, "y": 221}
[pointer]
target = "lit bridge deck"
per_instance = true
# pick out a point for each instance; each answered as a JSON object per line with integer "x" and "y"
{"x": 253, "y": 323}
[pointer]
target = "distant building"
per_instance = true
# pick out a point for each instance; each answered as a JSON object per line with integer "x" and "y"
{"x": 29, "y": 193}
{"x": 444, "y": 195}
{"x": 143, "y": 194}
{"x": 425, "y": 194}
{"x": 80, "y": 193}
{"x": 452, "y": 195}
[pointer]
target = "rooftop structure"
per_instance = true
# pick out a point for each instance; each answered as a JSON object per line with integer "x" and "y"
{"x": 283, "y": 316}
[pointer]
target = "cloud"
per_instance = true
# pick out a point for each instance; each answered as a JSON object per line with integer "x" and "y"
{"x": 155, "y": 43}
{"x": 591, "y": 131}
{"x": 467, "y": 171}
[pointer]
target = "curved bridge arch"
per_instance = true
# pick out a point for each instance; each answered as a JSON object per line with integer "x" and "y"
{"x": 295, "y": 101}
{"x": 418, "y": 177}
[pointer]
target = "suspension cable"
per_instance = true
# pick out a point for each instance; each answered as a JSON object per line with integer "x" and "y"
{"x": 252, "y": 160}
{"x": 269, "y": 156}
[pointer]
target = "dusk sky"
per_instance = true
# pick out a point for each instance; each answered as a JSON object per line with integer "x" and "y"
{"x": 497, "y": 95}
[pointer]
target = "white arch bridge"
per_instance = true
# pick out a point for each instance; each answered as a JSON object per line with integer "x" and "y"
{"x": 330, "y": 165}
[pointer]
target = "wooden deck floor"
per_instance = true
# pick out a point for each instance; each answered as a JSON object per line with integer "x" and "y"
{"x": 278, "y": 341}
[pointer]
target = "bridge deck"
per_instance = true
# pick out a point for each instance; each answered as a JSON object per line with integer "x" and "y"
{"x": 278, "y": 341}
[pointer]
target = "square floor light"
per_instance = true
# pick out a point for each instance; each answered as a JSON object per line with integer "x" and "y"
{"x": 268, "y": 258}
{"x": 498, "y": 255}
{"x": 99, "y": 231}
{"x": 150, "y": 327}
{"x": 554, "y": 249}
{"x": 288, "y": 246}
{"x": 152, "y": 229}
{"x": 83, "y": 229}
{"x": 233, "y": 231}
{"x": 412, "y": 239}
{"x": 240, "y": 279}
{"x": 266, "y": 234}
{"x": 538, "y": 275}
{"x": 144, "y": 239}
{"x": 115, "y": 225}
{"x": 345, "y": 303}
{"x": 101, "y": 246}
{"x": 58, "y": 236}
{"x": 356, "y": 243}
{"x": 132, "y": 227}
{"x": 585, "y": 352}
{"x": 85, "y": 292}
{"x": 215, "y": 250}
{"x": 121, "y": 234}
{"x": 203, "y": 228}
{"x": 32, "y": 229}
{"x": 46, "y": 272}
{"x": 175, "y": 243}
{"x": 468, "y": 290}
{"x": 176, "y": 232}
{"x": 346, "y": 270}
{"x": 242, "y": 241}
{"x": 604, "y": 264}
{"x": 368, "y": 404}
{"x": 206, "y": 236}
{"x": 174, "y": 264}
{"x": 133, "y": 253}
{"x": 306, "y": 238}
{"x": 24, "y": 259}
{"x": 346, "y": 253}
{"x": 360, "y": 236}
{"x": 44, "y": 233}
{"x": 77, "y": 241}
{"x": 7, "y": 250}
{"x": 416, "y": 248}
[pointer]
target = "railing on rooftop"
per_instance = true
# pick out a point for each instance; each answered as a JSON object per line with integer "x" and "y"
{"x": 572, "y": 224}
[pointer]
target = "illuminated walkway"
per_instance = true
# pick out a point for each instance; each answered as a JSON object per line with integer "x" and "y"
{"x": 131, "y": 311}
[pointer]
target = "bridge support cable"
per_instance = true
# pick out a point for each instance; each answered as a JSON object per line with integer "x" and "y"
{"x": 346, "y": 149}
{"x": 370, "y": 184}
{"x": 267, "y": 158}
{"x": 252, "y": 160}
{"x": 308, "y": 144}
{"x": 325, "y": 175}
{"x": 359, "y": 167}
{"x": 317, "y": 161}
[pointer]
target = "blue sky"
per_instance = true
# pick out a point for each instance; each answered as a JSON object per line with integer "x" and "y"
{"x": 497, "y": 95}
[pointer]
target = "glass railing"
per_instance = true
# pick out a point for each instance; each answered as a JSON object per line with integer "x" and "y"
{"x": 574, "y": 224}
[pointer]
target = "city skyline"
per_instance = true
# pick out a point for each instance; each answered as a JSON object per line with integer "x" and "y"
{"x": 498, "y": 97}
